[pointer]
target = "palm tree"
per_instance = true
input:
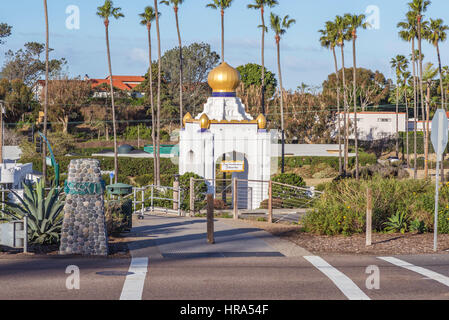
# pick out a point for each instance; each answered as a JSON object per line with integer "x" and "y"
{"x": 436, "y": 34}
{"x": 260, "y": 5}
{"x": 341, "y": 29}
{"x": 47, "y": 50}
{"x": 159, "y": 75}
{"x": 417, "y": 8}
{"x": 176, "y": 4}
{"x": 147, "y": 18}
{"x": 400, "y": 64}
{"x": 105, "y": 12}
{"x": 279, "y": 27}
{"x": 406, "y": 77}
{"x": 428, "y": 76}
{"x": 329, "y": 40}
{"x": 222, "y": 5}
{"x": 354, "y": 22}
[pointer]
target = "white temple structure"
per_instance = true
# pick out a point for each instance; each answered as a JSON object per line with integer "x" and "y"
{"x": 224, "y": 128}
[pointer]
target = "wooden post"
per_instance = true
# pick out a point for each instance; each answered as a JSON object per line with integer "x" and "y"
{"x": 270, "y": 201}
{"x": 175, "y": 193}
{"x": 143, "y": 201}
{"x": 369, "y": 216}
{"x": 192, "y": 197}
{"x": 235, "y": 199}
{"x": 210, "y": 219}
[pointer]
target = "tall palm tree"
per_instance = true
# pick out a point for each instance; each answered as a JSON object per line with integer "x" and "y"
{"x": 260, "y": 5}
{"x": 47, "y": 50}
{"x": 329, "y": 40}
{"x": 355, "y": 22}
{"x": 279, "y": 27}
{"x": 417, "y": 8}
{"x": 409, "y": 33}
{"x": 341, "y": 27}
{"x": 400, "y": 64}
{"x": 176, "y": 4}
{"x": 159, "y": 75}
{"x": 406, "y": 78}
{"x": 428, "y": 77}
{"x": 436, "y": 34}
{"x": 222, "y": 5}
{"x": 106, "y": 12}
{"x": 148, "y": 16}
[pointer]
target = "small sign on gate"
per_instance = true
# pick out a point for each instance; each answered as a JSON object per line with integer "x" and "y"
{"x": 232, "y": 166}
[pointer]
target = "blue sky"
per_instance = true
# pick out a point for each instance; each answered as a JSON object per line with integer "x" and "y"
{"x": 303, "y": 60}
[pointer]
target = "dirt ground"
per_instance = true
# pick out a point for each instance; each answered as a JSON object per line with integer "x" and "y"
{"x": 382, "y": 243}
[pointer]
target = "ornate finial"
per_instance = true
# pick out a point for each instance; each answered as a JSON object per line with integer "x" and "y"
{"x": 204, "y": 122}
{"x": 224, "y": 80}
{"x": 186, "y": 118}
{"x": 261, "y": 121}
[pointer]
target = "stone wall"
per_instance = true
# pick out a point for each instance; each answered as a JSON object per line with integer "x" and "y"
{"x": 84, "y": 230}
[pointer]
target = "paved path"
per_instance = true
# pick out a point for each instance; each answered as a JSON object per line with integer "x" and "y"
{"x": 171, "y": 259}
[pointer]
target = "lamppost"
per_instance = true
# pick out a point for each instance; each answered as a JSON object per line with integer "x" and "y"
{"x": 2, "y": 110}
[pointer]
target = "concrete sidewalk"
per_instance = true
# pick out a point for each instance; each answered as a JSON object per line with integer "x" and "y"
{"x": 159, "y": 236}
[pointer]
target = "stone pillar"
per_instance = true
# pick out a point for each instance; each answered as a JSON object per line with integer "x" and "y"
{"x": 84, "y": 230}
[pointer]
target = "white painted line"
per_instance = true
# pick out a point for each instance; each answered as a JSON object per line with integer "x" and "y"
{"x": 133, "y": 287}
{"x": 346, "y": 285}
{"x": 422, "y": 271}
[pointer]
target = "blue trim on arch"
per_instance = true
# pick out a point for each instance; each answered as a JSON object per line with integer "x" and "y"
{"x": 224, "y": 95}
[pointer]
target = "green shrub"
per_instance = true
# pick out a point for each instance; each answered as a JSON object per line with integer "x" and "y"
{"x": 290, "y": 179}
{"x": 118, "y": 216}
{"x": 397, "y": 223}
{"x": 342, "y": 207}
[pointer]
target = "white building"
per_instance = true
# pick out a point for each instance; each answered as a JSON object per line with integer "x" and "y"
{"x": 224, "y": 128}
{"x": 375, "y": 125}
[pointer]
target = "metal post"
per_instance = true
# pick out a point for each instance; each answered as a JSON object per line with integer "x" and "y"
{"x": 152, "y": 198}
{"x": 283, "y": 152}
{"x": 369, "y": 216}
{"x": 270, "y": 201}
{"x": 143, "y": 201}
{"x": 179, "y": 202}
{"x": 135, "y": 199}
{"x": 192, "y": 197}
{"x": 210, "y": 219}
{"x": 235, "y": 199}
{"x": 25, "y": 234}
{"x": 437, "y": 187}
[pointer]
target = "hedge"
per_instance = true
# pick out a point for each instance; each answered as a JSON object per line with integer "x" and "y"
{"x": 296, "y": 162}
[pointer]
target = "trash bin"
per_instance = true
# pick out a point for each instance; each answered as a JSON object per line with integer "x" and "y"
{"x": 119, "y": 189}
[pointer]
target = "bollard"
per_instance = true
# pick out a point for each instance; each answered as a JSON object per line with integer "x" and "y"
{"x": 369, "y": 216}
{"x": 210, "y": 219}
{"x": 176, "y": 193}
{"x": 270, "y": 202}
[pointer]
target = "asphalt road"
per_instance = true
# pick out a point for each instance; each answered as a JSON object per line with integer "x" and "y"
{"x": 172, "y": 261}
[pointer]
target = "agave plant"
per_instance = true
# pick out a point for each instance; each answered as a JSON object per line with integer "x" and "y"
{"x": 44, "y": 213}
{"x": 397, "y": 223}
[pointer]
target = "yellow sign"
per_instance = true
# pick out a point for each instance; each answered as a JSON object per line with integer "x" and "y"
{"x": 232, "y": 166}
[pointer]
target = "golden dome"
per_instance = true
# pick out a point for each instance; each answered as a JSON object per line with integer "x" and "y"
{"x": 261, "y": 121}
{"x": 224, "y": 79}
{"x": 186, "y": 118}
{"x": 204, "y": 122}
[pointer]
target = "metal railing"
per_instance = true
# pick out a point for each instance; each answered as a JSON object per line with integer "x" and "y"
{"x": 157, "y": 198}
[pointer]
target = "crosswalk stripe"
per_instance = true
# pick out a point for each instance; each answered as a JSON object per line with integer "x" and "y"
{"x": 423, "y": 271}
{"x": 134, "y": 282}
{"x": 346, "y": 285}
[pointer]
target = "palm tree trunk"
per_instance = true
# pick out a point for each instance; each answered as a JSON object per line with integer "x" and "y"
{"x": 263, "y": 61}
{"x": 340, "y": 168}
{"x": 153, "y": 127}
{"x": 415, "y": 111}
{"x": 426, "y": 151}
{"x": 222, "y": 36}
{"x": 114, "y": 128}
{"x": 181, "y": 68}
{"x": 355, "y": 108}
{"x": 406, "y": 124}
{"x": 282, "y": 101}
{"x": 442, "y": 101}
{"x": 47, "y": 46}
{"x": 158, "y": 147}
{"x": 397, "y": 117}
{"x": 426, "y": 165}
{"x": 346, "y": 120}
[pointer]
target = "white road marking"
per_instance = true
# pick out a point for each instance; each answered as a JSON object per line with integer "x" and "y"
{"x": 346, "y": 285}
{"x": 422, "y": 271}
{"x": 133, "y": 287}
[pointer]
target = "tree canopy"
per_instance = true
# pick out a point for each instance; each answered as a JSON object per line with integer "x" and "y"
{"x": 251, "y": 74}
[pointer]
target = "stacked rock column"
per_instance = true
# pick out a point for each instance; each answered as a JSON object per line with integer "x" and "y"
{"x": 84, "y": 230}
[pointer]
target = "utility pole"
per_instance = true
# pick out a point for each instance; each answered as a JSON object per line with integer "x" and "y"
{"x": 1, "y": 130}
